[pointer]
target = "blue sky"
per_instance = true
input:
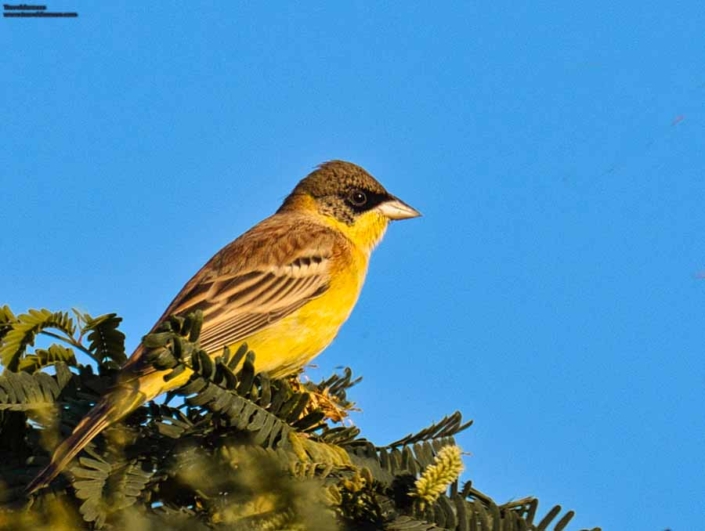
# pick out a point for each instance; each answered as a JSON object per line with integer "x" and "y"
{"x": 551, "y": 291}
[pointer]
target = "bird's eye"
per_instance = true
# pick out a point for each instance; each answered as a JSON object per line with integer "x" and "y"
{"x": 357, "y": 197}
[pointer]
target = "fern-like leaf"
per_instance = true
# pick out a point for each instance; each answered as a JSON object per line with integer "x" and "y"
{"x": 25, "y": 329}
{"x": 446, "y": 427}
{"x": 26, "y": 392}
{"x": 45, "y": 357}
{"x": 7, "y": 318}
{"x": 90, "y": 477}
{"x": 104, "y": 338}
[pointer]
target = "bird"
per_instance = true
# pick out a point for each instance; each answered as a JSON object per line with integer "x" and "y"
{"x": 284, "y": 287}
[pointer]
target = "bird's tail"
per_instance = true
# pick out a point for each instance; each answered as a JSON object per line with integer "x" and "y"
{"x": 110, "y": 408}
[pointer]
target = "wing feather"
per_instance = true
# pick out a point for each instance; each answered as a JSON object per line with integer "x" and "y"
{"x": 255, "y": 281}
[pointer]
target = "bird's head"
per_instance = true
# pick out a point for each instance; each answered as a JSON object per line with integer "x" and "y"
{"x": 349, "y": 199}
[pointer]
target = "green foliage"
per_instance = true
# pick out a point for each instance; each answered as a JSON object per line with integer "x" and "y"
{"x": 21, "y": 331}
{"x": 230, "y": 449}
{"x": 105, "y": 340}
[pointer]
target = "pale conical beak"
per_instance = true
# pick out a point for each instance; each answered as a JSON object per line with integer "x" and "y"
{"x": 397, "y": 209}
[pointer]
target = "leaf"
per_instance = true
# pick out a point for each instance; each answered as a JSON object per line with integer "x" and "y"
{"x": 45, "y": 358}
{"x": 24, "y": 330}
{"x": 7, "y": 318}
{"x": 22, "y": 391}
{"x": 104, "y": 338}
{"x": 446, "y": 427}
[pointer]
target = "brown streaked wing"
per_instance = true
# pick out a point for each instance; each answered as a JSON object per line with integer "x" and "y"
{"x": 237, "y": 306}
{"x": 256, "y": 280}
{"x": 231, "y": 331}
{"x": 231, "y": 315}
